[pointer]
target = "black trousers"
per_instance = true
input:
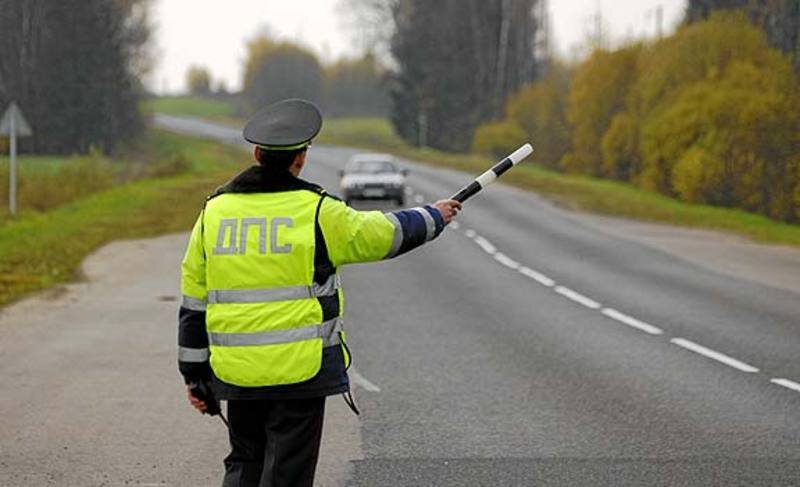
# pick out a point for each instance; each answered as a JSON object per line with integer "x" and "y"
{"x": 274, "y": 443}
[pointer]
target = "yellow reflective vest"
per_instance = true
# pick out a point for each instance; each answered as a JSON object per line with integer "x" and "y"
{"x": 263, "y": 267}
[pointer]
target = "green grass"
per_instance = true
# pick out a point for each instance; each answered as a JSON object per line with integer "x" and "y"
{"x": 193, "y": 106}
{"x": 370, "y": 133}
{"x": 44, "y": 183}
{"x": 569, "y": 190}
{"x": 41, "y": 249}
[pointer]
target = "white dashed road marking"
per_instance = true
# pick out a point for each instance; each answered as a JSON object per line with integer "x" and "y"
{"x": 506, "y": 261}
{"x": 787, "y": 384}
{"x": 454, "y": 225}
{"x": 714, "y": 355}
{"x": 631, "y": 321}
{"x": 578, "y": 297}
{"x": 361, "y": 381}
{"x": 611, "y": 313}
{"x": 486, "y": 245}
{"x": 419, "y": 199}
{"x": 537, "y": 276}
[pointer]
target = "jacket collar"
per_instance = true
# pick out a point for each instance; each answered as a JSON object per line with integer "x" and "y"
{"x": 260, "y": 179}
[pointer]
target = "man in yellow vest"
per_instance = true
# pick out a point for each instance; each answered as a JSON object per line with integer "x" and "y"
{"x": 260, "y": 324}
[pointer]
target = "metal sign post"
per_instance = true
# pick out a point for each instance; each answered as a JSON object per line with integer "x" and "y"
{"x": 14, "y": 125}
{"x": 12, "y": 171}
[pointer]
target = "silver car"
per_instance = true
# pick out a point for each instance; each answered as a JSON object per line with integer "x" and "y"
{"x": 373, "y": 177}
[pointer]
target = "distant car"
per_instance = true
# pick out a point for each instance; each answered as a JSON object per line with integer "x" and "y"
{"x": 373, "y": 177}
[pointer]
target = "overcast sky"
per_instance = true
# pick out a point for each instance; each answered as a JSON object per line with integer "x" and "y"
{"x": 213, "y": 33}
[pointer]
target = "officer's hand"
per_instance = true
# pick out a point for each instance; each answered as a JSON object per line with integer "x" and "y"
{"x": 448, "y": 208}
{"x": 197, "y": 403}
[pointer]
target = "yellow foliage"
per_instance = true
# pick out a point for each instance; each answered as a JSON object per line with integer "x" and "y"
{"x": 709, "y": 115}
{"x": 259, "y": 50}
{"x": 198, "y": 80}
{"x": 540, "y": 110}
{"x": 599, "y": 91}
{"x": 729, "y": 133}
{"x": 498, "y": 139}
{"x": 699, "y": 51}
{"x": 621, "y": 147}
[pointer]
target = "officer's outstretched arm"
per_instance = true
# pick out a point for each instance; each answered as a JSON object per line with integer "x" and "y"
{"x": 192, "y": 337}
{"x": 367, "y": 236}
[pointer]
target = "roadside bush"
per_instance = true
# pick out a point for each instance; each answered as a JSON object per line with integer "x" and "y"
{"x": 45, "y": 188}
{"x": 600, "y": 88}
{"x": 498, "y": 138}
{"x": 540, "y": 110}
{"x": 621, "y": 147}
{"x": 170, "y": 166}
{"x": 720, "y": 118}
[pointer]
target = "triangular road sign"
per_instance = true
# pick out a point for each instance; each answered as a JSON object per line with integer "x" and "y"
{"x": 20, "y": 124}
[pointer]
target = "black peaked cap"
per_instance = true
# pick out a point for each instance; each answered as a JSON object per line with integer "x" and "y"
{"x": 287, "y": 123}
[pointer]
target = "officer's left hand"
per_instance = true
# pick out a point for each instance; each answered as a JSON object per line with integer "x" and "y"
{"x": 197, "y": 403}
{"x": 448, "y": 209}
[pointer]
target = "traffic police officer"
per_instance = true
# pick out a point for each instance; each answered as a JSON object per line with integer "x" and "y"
{"x": 261, "y": 316}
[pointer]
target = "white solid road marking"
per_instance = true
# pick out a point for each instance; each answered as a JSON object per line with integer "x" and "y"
{"x": 506, "y": 261}
{"x": 719, "y": 357}
{"x": 789, "y": 384}
{"x": 537, "y": 276}
{"x": 485, "y": 245}
{"x": 470, "y": 233}
{"x": 361, "y": 381}
{"x": 631, "y": 321}
{"x": 577, "y": 297}
{"x": 419, "y": 198}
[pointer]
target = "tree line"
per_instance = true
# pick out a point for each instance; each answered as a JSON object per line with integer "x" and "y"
{"x": 710, "y": 115}
{"x": 275, "y": 70}
{"x": 73, "y": 66}
{"x": 454, "y": 63}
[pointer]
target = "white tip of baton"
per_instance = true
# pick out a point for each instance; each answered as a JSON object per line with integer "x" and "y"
{"x": 521, "y": 154}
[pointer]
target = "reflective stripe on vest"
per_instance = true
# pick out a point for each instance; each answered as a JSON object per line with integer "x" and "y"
{"x": 193, "y": 304}
{"x": 328, "y": 331}
{"x": 276, "y": 294}
{"x": 397, "y": 241}
{"x": 430, "y": 223}
{"x": 196, "y": 355}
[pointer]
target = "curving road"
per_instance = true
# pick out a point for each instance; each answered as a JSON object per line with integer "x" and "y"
{"x": 528, "y": 346}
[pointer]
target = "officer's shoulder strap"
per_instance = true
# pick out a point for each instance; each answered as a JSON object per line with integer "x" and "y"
{"x": 323, "y": 266}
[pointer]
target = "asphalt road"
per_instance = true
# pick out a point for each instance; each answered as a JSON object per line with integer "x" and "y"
{"x": 527, "y": 346}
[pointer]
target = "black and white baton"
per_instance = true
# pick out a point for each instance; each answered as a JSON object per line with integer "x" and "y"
{"x": 495, "y": 172}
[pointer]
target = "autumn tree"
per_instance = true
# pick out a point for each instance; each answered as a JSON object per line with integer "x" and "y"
{"x": 536, "y": 113}
{"x": 720, "y": 115}
{"x": 277, "y": 70}
{"x": 356, "y": 87}
{"x": 198, "y": 80}
{"x": 599, "y": 92}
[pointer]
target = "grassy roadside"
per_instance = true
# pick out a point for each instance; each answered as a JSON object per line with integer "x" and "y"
{"x": 41, "y": 249}
{"x": 193, "y": 106}
{"x": 572, "y": 191}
